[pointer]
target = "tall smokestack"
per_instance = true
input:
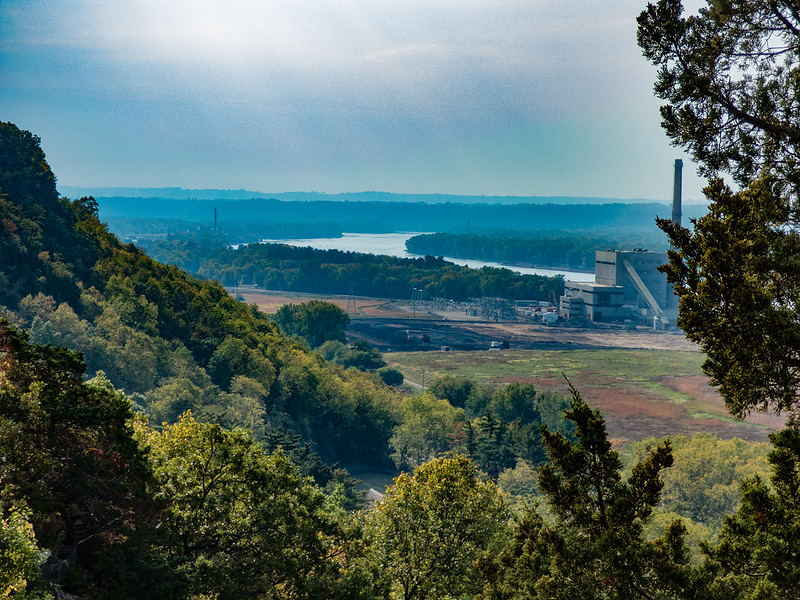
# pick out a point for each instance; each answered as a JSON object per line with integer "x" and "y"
{"x": 676, "y": 192}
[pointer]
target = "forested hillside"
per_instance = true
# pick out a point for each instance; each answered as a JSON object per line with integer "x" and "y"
{"x": 176, "y": 343}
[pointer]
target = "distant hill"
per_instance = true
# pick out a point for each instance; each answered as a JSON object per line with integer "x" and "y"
{"x": 383, "y": 217}
{"x": 178, "y": 193}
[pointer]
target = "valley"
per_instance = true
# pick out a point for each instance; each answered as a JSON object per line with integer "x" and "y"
{"x": 647, "y": 383}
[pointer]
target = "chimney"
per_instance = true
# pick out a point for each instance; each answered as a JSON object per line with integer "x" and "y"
{"x": 676, "y": 192}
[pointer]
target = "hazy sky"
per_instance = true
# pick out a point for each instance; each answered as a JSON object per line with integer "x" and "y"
{"x": 511, "y": 97}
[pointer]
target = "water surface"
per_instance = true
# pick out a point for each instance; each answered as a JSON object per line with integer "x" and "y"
{"x": 394, "y": 244}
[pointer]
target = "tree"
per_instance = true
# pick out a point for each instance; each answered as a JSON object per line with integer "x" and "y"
{"x": 729, "y": 76}
{"x": 391, "y": 376}
{"x": 69, "y": 456}
{"x": 494, "y": 449}
{"x": 359, "y": 355}
{"x": 315, "y": 321}
{"x": 233, "y": 358}
{"x": 454, "y": 389}
{"x": 19, "y": 556}
{"x": 704, "y": 482}
{"x": 422, "y": 434}
{"x": 756, "y": 557}
{"x": 595, "y": 547}
{"x": 431, "y": 528}
{"x": 241, "y": 523}
{"x": 738, "y": 278}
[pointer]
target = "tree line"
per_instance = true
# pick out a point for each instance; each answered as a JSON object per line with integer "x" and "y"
{"x": 283, "y": 267}
{"x": 543, "y": 249}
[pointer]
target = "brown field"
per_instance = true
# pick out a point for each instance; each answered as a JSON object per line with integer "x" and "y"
{"x": 641, "y": 392}
{"x": 358, "y": 306}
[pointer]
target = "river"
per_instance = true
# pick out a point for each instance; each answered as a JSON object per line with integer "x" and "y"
{"x": 394, "y": 244}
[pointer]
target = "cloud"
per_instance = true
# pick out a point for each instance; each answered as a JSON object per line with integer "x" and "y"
{"x": 505, "y": 92}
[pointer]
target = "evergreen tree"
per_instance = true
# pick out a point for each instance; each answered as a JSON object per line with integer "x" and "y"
{"x": 595, "y": 548}
{"x": 759, "y": 545}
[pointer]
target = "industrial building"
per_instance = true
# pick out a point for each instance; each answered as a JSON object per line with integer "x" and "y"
{"x": 628, "y": 287}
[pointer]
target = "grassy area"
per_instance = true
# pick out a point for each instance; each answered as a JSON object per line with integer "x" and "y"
{"x": 619, "y": 368}
{"x": 640, "y": 392}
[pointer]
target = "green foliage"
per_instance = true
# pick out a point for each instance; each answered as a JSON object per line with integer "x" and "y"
{"x": 492, "y": 445}
{"x": 545, "y": 249}
{"x": 455, "y": 389}
{"x": 171, "y": 339}
{"x": 331, "y": 478}
{"x": 241, "y": 523}
{"x": 728, "y": 76}
{"x": 425, "y": 424}
{"x": 704, "y": 482}
{"x": 20, "y": 557}
{"x": 432, "y": 527}
{"x": 37, "y": 241}
{"x": 504, "y": 424}
{"x": 282, "y": 267}
{"x": 391, "y": 376}
{"x": 359, "y": 355}
{"x": 315, "y": 321}
{"x": 595, "y": 547}
{"x": 232, "y": 357}
{"x": 738, "y": 278}
{"x": 757, "y": 553}
{"x": 69, "y": 457}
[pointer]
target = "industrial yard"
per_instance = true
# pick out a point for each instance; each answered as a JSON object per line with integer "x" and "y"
{"x": 393, "y": 325}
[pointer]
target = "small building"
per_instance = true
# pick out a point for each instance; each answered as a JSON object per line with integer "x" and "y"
{"x": 598, "y": 303}
{"x": 550, "y": 318}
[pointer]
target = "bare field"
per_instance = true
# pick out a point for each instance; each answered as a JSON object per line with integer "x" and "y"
{"x": 357, "y": 306}
{"x": 640, "y": 392}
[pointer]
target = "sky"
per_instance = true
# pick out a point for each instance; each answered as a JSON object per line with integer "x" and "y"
{"x": 510, "y": 97}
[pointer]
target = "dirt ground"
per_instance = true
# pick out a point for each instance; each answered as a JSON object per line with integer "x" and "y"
{"x": 390, "y": 324}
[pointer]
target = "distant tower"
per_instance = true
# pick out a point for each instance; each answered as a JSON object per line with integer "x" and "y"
{"x": 676, "y": 192}
{"x": 215, "y": 220}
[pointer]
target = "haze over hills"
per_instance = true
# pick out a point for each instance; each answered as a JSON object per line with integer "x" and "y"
{"x": 384, "y": 217}
{"x": 366, "y": 196}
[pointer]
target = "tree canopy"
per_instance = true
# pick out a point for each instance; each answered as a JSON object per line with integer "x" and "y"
{"x": 731, "y": 78}
{"x": 432, "y": 527}
{"x": 594, "y": 548}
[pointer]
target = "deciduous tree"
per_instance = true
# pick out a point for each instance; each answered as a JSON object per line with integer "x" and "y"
{"x": 432, "y": 527}
{"x": 241, "y": 523}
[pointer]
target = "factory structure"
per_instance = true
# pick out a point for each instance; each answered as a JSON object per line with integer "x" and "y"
{"x": 628, "y": 287}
